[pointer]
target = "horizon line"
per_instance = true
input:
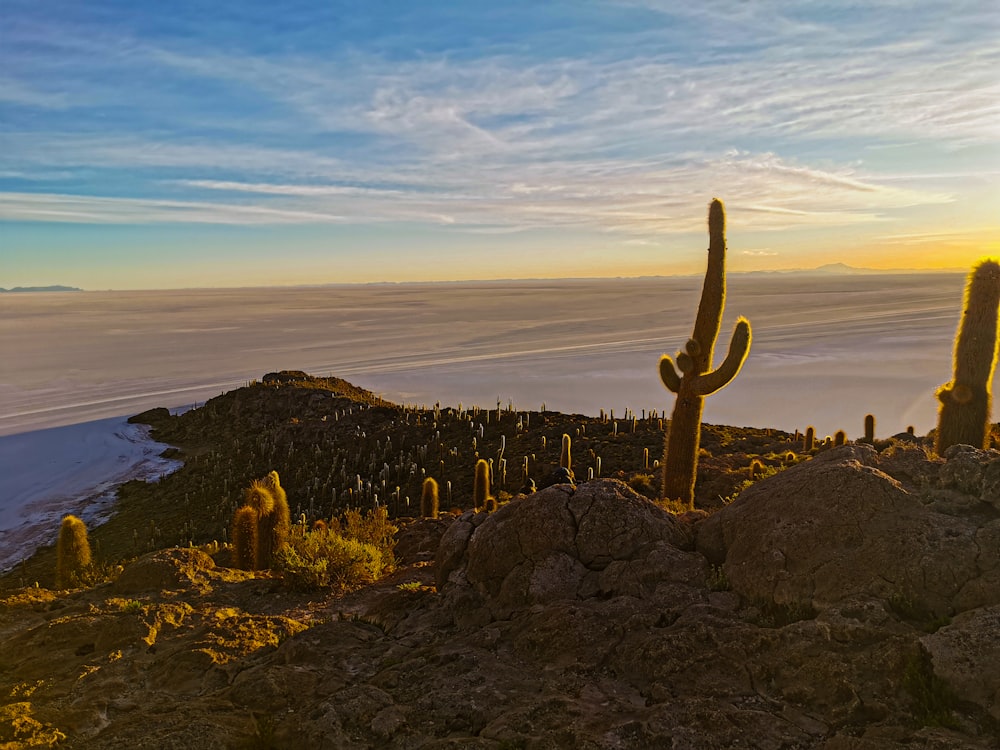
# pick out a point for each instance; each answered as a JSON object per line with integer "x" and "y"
{"x": 827, "y": 270}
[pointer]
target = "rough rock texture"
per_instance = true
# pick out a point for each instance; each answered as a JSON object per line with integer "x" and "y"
{"x": 601, "y": 539}
{"x": 966, "y": 655}
{"x": 837, "y": 529}
{"x": 574, "y": 618}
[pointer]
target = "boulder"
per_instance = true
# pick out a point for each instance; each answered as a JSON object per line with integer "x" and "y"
{"x": 838, "y": 528}
{"x": 564, "y": 543}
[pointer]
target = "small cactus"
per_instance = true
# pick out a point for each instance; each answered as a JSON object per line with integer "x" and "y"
{"x": 964, "y": 415}
{"x": 809, "y": 442}
{"x": 869, "y": 428}
{"x": 696, "y": 379}
{"x": 756, "y": 469}
{"x": 429, "y": 499}
{"x": 72, "y": 552}
{"x": 840, "y": 438}
{"x": 565, "y": 455}
{"x": 245, "y": 538}
{"x": 481, "y": 487}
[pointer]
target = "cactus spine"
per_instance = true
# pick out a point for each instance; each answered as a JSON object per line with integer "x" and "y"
{"x": 696, "y": 379}
{"x": 280, "y": 522}
{"x": 481, "y": 487}
{"x": 72, "y": 551}
{"x": 259, "y": 498}
{"x": 964, "y": 415}
{"x": 429, "y": 499}
{"x": 565, "y": 455}
{"x": 245, "y": 538}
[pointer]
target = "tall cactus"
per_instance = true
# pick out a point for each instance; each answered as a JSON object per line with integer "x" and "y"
{"x": 964, "y": 416}
{"x": 696, "y": 378}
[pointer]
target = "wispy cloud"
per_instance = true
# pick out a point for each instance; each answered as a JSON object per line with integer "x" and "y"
{"x": 769, "y": 105}
{"x": 96, "y": 210}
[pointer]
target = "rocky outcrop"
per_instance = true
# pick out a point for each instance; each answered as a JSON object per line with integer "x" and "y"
{"x": 565, "y": 543}
{"x": 579, "y": 617}
{"x": 839, "y": 529}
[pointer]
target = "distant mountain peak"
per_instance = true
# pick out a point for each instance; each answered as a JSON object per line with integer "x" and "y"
{"x": 840, "y": 268}
{"x": 54, "y": 288}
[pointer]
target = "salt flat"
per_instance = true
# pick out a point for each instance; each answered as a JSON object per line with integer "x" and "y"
{"x": 826, "y": 350}
{"x": 46, "y": 474}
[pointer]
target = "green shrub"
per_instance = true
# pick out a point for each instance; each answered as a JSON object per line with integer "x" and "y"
{"x": 353, "y": 551}
{"x": 320, "y": 558}
{"x": 372, "y": 528}
{"x": 646, "y": 485}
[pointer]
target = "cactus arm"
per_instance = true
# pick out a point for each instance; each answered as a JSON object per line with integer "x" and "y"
{"x": 668, "y": 374}
{"x": 739, "y": 348}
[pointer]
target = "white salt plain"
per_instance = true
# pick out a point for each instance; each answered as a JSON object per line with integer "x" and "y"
{"x": 74, "y": 469}
{"x": 826, "y": 351}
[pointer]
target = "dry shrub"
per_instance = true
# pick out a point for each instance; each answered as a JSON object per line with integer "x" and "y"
{"x": 353, "y": 551}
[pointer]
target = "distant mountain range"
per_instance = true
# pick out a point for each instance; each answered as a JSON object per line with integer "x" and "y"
{"x": 842, "y": 269}
{"x": 55, "y": 288}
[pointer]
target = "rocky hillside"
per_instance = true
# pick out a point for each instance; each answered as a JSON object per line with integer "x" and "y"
{"x": 850, "y": 602}
{"x": 335, "y": 446}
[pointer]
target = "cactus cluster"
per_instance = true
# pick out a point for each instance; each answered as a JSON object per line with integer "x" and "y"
{"x": 261, "y": 526}
{"x": 692, "y": 377}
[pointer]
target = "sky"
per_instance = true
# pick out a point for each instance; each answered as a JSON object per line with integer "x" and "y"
{"x": 193, "y": 144}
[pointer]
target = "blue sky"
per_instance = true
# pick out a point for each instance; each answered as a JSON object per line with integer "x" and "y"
{"x": 221, "y": 144}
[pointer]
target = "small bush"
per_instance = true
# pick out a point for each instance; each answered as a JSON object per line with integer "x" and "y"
{"x": 354, "y": 551}
{"x": 372, "y": 528}
{"x": 933, "y": 700}
{"x": 717, "y": 579}
{"x": 646, "y": 485}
